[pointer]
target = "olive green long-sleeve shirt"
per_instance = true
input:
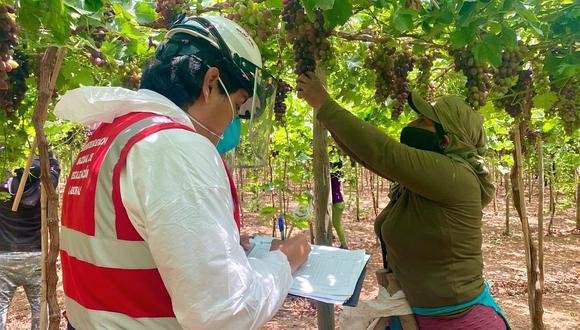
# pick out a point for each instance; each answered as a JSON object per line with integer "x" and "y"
{"x": 432, "y": 231}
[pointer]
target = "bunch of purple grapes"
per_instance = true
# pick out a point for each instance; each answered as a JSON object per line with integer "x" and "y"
{"x": 309, "y": 38}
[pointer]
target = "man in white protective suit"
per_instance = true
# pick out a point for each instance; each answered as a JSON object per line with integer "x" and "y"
{"x": 150, "y": 219}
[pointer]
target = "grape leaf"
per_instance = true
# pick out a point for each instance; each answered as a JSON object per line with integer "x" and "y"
{"x": 488, "y": 50}
{"x": 131, "y": 31}
{"x": 29, "y": 16}
{"x": 524, "y": 12}
{"x": 310, "y": 5}
{"x": 274, "y": 4}
{"x": 339, "y": 14}
{"x": 462, "y": 37}
{"x": 508, "y": 37}
{"x": 84, "y": 7}
{"x": 403, "y": 20}
{"x": 549, "y": 125}
{"x": 466, "y": 12}
{"x": 545, "y": 100}
{"x": 325, "y": 4}
{"x": 57, "y": 21}
{"x": 145, "y": 13}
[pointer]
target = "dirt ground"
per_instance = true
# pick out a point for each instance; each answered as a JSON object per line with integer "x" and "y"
{"x": 504, "y": 269}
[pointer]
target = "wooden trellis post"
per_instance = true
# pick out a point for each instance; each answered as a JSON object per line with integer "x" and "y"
{"x": 322, "y": 209}
{"x": 49, "y": 69}
{"x": 534, "y": 287}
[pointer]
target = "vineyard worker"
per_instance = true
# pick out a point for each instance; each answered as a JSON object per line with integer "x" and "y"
{"x": 150, "y": 221}
{"x": 20, "y": 239}
{"x": 337, "y": 200}
{"x": 432, "y": 224}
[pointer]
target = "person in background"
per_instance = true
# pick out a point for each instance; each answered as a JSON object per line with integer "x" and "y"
{"x": 20, "y": 240}
{"x": 150, "y": 235}
{"x": 431, "y": 227}
{"x": 337, "y": 198}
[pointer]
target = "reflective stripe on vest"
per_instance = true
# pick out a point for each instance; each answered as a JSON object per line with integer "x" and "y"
{"x": 108, "y": 270}
{"x": 93, "y": 319}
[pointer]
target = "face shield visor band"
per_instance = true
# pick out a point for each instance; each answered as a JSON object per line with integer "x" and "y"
{"x": 264, "y": 89}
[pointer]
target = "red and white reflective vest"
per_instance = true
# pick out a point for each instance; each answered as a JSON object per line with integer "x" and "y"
{"x": 110, "y": 278}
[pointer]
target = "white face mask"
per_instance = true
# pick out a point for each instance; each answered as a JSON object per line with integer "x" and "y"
{"x": 218, "y": 136}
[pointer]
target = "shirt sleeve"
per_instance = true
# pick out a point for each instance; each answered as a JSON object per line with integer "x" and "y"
{"x": 177, "y": 196}
{"x": 431, "y": 175}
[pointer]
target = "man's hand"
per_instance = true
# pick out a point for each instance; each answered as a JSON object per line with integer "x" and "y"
{"x": 310, "y": 88}
{"x": 295, "y": 248}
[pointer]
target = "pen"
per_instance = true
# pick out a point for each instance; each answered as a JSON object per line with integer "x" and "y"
{"x": 281, "y": 226}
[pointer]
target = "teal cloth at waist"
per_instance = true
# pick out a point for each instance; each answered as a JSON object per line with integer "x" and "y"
{"x": 484, "y": 299}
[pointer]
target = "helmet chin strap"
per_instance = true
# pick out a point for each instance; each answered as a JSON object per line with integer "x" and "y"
{"x": 218, "y": 136}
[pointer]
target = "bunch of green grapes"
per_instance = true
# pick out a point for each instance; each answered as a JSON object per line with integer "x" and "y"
{"x": 518, "y": 101}
{"x": 131, "y": 74}
{"x": 478, "y": 83}
{"x": 567, "y": 104}
{"x": 424, "y": 85}
{"x": 505, "y": 76}
{"x": 259, "y": 22}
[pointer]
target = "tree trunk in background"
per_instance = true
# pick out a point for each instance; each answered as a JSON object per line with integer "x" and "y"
{"x": 378, "y": 185}
{"x": 552, "y": 206}
{"x": 372, "y": 188}
{"x": 541, "y": 213}
{"x": 507, "y": 203}
{"x": 285, "y": 199}
{"x": 356, "y": 168}
{"x": 494, "y": 176}
{"x": 530, "y": 186}
{"x": 578, "y": 198}
{"x": 241, "y": 173}
{"x": 271, "y": 179}
{"x": 322, "y": 209}
{"x": 241, "y": 193}
{"x": 534, "y": 290}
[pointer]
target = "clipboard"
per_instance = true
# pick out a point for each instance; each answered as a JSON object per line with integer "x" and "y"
{"x": 353, "y": 300}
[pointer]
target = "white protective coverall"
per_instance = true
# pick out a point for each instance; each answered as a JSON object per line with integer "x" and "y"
{"x": 177, "y": 195}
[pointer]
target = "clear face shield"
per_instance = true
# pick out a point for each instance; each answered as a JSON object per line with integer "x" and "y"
{"x": 256, "y": 118}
